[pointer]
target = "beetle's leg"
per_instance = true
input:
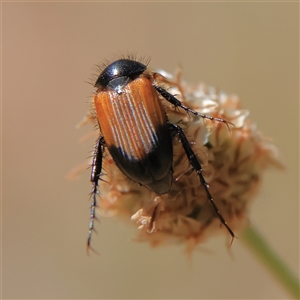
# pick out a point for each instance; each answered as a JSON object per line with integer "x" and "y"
{"x": 95, "y": 177}
{"x": 173, "y": 100}
{"x": 197, "y": 167}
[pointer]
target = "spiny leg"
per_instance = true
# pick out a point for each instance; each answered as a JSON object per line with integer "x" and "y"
{"x": 95, "y": 177}
{"x": 173, "y": 100}
{"x": 197, "y": 167}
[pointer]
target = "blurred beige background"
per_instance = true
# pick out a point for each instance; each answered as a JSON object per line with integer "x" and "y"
{"x": 49, "y": 50}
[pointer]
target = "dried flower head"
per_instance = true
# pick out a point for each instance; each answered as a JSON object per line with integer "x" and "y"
{"x": 233, "y": 161}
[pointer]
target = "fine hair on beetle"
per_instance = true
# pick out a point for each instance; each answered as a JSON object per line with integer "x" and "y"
{"x": 134, "y": 128}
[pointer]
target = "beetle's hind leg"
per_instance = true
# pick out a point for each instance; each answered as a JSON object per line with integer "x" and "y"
{"x": 198, "y": 168}
{"x": 95, "y": 177}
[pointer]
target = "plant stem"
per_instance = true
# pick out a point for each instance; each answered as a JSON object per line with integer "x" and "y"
{"x": 254, "y": 240}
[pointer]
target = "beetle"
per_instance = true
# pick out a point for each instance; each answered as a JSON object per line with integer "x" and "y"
{"x": 135, "y": 130}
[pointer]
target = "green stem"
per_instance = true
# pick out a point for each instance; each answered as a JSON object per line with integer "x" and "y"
{"x": 253, "y": 239}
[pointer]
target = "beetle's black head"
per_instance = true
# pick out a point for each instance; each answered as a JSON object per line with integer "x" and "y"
{"x": 119, "y": 73}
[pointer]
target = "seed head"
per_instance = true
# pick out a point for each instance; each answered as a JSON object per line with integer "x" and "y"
{"x": 233, "y": 159}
